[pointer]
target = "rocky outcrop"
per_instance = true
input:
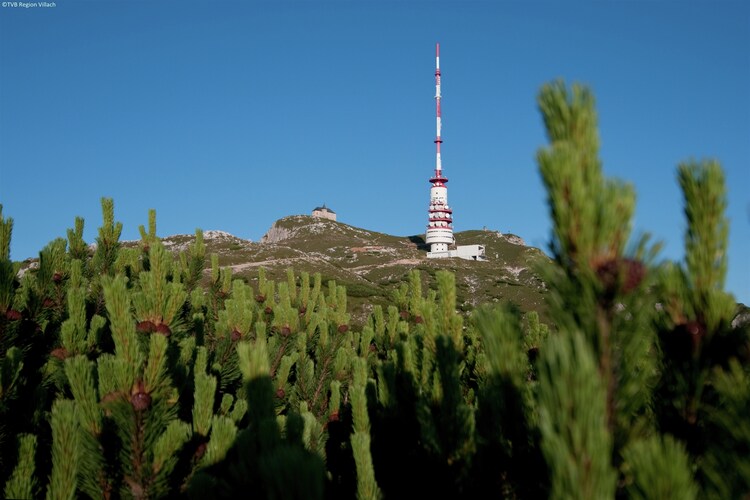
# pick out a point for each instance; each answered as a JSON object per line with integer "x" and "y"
{"x": 516, "y": 240}
{"x": 742, "y": 318}
{"x": 277, "y": 234}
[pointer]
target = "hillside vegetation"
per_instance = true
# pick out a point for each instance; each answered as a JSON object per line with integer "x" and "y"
{"x": 374, "y": 265}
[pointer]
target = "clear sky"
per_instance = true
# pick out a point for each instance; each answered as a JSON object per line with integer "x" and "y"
{"x": 229, "y": 115}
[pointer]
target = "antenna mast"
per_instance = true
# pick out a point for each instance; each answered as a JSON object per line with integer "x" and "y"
{"x": 438, "y": 140}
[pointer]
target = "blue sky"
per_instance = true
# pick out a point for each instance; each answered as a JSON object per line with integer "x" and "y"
{"x": 230, "y": 115}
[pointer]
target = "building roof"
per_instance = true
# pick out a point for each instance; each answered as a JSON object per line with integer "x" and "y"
{"x": 324, "y": 208}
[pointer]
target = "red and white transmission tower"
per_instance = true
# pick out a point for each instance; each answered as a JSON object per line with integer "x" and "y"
{"x": 440, "y": 223}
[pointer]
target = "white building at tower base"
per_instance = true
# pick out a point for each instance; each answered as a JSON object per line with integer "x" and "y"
{"x": 467, "y": 252}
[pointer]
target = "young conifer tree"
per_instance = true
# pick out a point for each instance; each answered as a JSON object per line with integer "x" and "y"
{"x": 637, "y": 350}
{"x": 705, "y": 379}
{"x": 420, "y": 412}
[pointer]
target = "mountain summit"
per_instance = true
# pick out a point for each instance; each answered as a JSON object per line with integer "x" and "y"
{"x": 372, "y": 265}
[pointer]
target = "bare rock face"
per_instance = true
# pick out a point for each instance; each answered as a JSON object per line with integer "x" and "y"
{"x": 742, "y": 318}
{"x": 276, "y": 234}
{"x": 213, "y": 234}
{"x": 516, "y": 240}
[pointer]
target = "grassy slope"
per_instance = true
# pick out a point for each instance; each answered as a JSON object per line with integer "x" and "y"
{"x": 371, "y": 265}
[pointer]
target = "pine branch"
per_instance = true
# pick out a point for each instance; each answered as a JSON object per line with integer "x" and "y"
{"x": 117, "y": 301}
{"x": 367, "y": 486}
{"x": 223, "y": 432}
{"x": 572, "y": 419}
{"x": 659, "y": 467}
{"x": 66, "y": 451}
{"x": 7, "y": 274}
{"x": 22, "y": 482}
{"x": 107, "y": 243}
{"x": 203, "y": 406}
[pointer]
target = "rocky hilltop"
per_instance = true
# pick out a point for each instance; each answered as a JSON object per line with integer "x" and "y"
{"x": 371, "y": 265}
